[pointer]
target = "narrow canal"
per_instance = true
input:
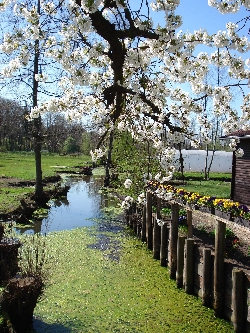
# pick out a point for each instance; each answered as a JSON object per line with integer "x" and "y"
{"x": 104, "y": 280}
{"x": 83, "y": 206}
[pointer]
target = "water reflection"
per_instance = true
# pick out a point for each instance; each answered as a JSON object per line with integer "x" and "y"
{"x": 81, "y": 207}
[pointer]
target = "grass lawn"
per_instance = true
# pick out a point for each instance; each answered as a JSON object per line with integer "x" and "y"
{"x": 219, "y": 184}
{"x": 22, "y": 166}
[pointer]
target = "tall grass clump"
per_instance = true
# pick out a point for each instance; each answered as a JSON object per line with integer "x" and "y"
{"x": 21, "y": 293}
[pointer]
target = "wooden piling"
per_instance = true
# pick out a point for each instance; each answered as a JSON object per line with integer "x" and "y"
{"x": 158, "y": 208}
{"x": 180, "y": 261}
{"x": 189, "y": 266}
{"x": 143, "y": 226}
{"x": 164, "y": 245}
{"x": 138, "y": 229}
{"x": 149, "y": 228}
{"x": 127, "y": 216}
{"x": 238, "y": 299}
{"x": 219, "y": 268}
{"x": 206, "y": 274}
{"x": 190, "y": 223}
{"x": 156, "y": 239}
{"x": 135, "y": 223}
{"x": 130, "y": 217}
{"x": 173, "y": 240}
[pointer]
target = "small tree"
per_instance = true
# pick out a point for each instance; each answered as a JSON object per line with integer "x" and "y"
{"x": 89, "y": 142}
{"x": 70, "y": 146}
{"x": 23, "y": 36}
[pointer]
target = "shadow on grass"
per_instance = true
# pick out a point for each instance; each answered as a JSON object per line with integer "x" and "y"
{"x": 41, "y": 327}
{"x": 201, "y": 178}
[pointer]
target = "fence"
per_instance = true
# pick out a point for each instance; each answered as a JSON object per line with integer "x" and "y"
{"x": 199, "y": 271}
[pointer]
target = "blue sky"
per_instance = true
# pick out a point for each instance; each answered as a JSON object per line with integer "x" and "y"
{"x": 197, "y": 14}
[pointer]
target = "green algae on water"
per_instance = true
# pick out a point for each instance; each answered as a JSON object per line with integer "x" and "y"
{"x": 91, "y": 292}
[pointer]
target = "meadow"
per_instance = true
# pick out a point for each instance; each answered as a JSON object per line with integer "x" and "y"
{"x": 17, "y": 166}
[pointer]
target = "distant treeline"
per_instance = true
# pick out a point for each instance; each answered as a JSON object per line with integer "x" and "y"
{"x": 58, "y": 134}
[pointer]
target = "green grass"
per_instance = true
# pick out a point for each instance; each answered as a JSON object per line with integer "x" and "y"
{"x": 211, "y": 188}
{"x": 22, "y": 166}
{"x": 88, "y": 292}
{"x": 219, "y": 184}
{"x": 10, "y": 197}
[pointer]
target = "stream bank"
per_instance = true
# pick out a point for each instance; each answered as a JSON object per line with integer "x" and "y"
{"x": 53, "y": 188}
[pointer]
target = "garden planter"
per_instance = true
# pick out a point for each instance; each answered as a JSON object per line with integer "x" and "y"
{"x": 242, "y": 221}
{"x": 205, "y": 209}
{"x": 224, "y": 215}
{"x": 18, "y": 301}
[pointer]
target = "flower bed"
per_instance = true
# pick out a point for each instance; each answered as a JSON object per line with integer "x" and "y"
{"x": 224, "y": 208}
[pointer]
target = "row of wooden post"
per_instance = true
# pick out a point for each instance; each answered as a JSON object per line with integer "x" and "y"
{"x": 178, "y": 254}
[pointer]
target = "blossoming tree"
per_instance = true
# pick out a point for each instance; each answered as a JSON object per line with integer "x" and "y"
{"x": 126, "y": 72}
{"x": 24, "y": 66}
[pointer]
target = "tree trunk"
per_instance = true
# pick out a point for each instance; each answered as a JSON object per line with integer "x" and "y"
{"x": 37, "y": 122}
{"x": 38, "y": 161}
{"x": 181, "y": 159}
{"x": 109, "y": 160}
{"x": 18, "y": 301}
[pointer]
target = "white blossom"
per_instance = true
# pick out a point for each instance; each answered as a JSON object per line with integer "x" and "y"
{"x": 168, "y": 196}
{"x": 128, "y": 183}
{"x": 127, "y": 202}
{"x": 239, "y": 152}
{"x": 141, "y": 198}
{"x": 160, "y": 222}
{"x": 97, "y": 154}
{"x": 163, "y": 80}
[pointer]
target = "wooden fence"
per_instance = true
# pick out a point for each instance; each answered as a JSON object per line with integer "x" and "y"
{"x": 199, "y": 271}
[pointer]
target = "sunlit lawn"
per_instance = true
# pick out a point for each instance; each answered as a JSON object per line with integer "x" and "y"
{"x": 219, "y": 184}
{"x": 22, "y": 166}
{"x": 219, "y": 189}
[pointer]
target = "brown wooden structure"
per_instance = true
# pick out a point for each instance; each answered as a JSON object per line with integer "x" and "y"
{"x": 221, "y": 284}
{"x": 240, "y": 185}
